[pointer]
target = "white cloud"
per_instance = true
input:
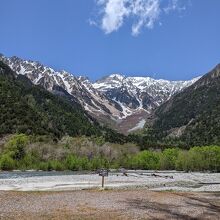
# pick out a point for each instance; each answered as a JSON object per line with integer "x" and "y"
{"x": 114, "y": 14}
{"x": 147, "y": 12}
{"x": 143, "y": 13}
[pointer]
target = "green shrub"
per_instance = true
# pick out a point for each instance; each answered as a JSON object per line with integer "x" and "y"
{"x": 16, "y": 146}
{"x": 168, "y": 159}
{"x": 146, "y": 160}
{"x": 96, "y": 163}
{"x": 205, "y": 158}
{"x": 43, "y": 166}
{"x": 55, "y": 165}
{"x": 71, "y": 162}
{"x": 7, "y": 163}
{"x": 182, "y": 162}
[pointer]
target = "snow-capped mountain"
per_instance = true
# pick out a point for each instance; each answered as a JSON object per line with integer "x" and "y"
{"x": 135, "y": 93}
{"x": 81, "y": 90}
{"x": 121, "y": 102}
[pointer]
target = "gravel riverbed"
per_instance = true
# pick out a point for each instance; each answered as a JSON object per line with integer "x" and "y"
{"x": 139, "y": 195}
{"x": 159, "y": 181}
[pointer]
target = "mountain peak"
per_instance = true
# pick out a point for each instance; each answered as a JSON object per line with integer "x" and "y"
{"x": 15, "y": 58}
{"x": 83, "y": 78}
{"x": 116, "y": 76}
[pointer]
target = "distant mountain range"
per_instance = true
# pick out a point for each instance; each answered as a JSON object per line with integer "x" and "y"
{"x": 122, "y": 103}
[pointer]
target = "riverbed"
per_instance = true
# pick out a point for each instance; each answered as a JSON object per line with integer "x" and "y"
{"x": 152, "y": 180}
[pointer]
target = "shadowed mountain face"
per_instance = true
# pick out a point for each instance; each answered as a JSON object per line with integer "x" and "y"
{"x": 192, "y": 115}
{"x": 31, "y": 109}
{"x": 120, "y": 102}
{"x": 27, "y": 108}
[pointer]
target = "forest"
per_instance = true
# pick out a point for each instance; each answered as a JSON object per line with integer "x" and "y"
{"x": 30, "y": 109}
{"x": 23, "y": 152}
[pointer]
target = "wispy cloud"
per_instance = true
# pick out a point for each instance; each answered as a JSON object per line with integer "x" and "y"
{"x": 147, "y": 13}
{"x": 144, "y": 13}
{"x": 175, "y": 5}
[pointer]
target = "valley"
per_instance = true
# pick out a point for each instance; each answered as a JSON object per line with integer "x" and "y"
{"x": 109, "y": 109}
{"x": 118, "y": 101}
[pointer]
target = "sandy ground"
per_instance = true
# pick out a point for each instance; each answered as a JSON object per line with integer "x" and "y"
{"x": 109, "y": 204}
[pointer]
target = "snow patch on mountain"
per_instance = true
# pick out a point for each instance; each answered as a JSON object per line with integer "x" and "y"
{"x": 139, "y": 92}
{"x": 138, "y": 126}
{"x": 115, "y": 97}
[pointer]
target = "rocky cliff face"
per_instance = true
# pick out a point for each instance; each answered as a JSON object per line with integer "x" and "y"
{"x": 135, "y": 93}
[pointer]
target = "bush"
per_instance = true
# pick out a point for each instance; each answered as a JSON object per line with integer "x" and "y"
{"x": 168, "y": 159}
{"x": 182, "y": 162}
{"x": 71, "y": 162}
{"x": 7, "y": 163}
{"x": 16, "y": 146}
{"x": 205, "y": 158}
{"x": 146, "y": 160}
{"x": 43, "y": 166}
{"x": 97, "y": 163}
{"x": 55, "y": 165}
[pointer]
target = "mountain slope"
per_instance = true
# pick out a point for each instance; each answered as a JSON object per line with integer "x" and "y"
{"x": 192, "y": 115}
{"x": 120, "y": 102}
{"x": 80, "y": 89}
{"x": 30, "y": 109}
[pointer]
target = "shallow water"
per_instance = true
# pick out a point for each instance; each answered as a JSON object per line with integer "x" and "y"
{"x": 26, "y": 174}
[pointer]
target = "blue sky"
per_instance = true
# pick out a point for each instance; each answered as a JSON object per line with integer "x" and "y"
{"x": 170, "y": 39}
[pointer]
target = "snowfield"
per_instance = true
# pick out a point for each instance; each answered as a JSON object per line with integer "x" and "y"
{"x": 158, "y": 181}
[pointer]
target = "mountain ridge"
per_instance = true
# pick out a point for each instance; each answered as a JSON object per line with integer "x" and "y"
{"x": 111, "y": 100}
{"x": 192, "y": 116}
{"x": 31, "y": 109}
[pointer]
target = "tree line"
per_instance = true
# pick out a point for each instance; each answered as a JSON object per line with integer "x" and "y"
{"x": 40, "y": 153}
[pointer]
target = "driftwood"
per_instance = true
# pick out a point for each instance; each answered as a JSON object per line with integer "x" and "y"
{"x": 123, "y": 171}
{"x": 156, "y": 175}
{"x": 125, "y": 174}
